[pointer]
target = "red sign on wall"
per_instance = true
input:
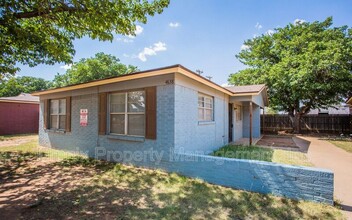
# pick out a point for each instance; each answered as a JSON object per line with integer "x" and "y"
{"x": 83, "y": 121}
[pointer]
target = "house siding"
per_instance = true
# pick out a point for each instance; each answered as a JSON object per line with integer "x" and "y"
{"x": 84, "y": 140}
{"x": 191, "y": 135}
{"x": 255, "y": 121}
{"x": 163, "y": 144}
{"x": 80, "y": 139}
{"x": 178, "y": 129}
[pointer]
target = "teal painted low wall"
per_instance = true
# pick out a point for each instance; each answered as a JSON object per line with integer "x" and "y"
{"x": 264, "y": 177}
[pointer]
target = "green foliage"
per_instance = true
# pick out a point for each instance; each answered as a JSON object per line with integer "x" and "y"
{"x": 245, "y": 152}
{"x": 269, "y": 111}
{"x": 100, "y": 66}
{"x": 42, "y": 32}
{"x": 263, "y": 154}
{"x": 14, "y": 86}
{"x": 86, "y": 162}
{"x": 305, "y": 65}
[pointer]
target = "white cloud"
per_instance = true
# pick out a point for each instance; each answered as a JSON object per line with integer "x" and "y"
{"x": 174, "y": 25}
{"x": 138, "y": 31}
{"x": 225, "y": 85}
{"x": 244, "y": 47}
{"x": 270, "y": 32}
{"x": 66, "y": 67}
{"x": 125, "y": 55}
{"x": 258, "y": 26}
{"x": 160, "y": 46}
{"x": 125, "y": 40}
{"x": 299, "y": 21}
{"x": 151, "y": 51}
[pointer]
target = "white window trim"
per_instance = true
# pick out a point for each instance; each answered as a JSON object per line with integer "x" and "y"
{"x": 58, "y": 114}
{"x": 125, "y": 113}
{"x": 206, "y": 108}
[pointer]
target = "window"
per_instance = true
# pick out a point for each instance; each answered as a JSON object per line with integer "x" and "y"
{"x": 238, "y": 113}
{"x": 205, "y": 108}
{"x": 127, "y": 113}
{"x": 58, "y": 114}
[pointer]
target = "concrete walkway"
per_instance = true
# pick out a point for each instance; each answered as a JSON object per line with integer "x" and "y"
{"x": 323, "y": 154}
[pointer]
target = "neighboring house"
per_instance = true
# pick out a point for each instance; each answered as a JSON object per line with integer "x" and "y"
{"x": 342, "y": 109}
{"x": 164, "y": 110}
{"x": 19, "y": 114}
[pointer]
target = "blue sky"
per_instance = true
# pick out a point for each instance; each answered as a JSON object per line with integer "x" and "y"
{"x": 203, "y": 34}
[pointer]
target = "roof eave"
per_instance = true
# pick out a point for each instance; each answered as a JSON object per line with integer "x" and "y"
{"x": 138, "y": 75}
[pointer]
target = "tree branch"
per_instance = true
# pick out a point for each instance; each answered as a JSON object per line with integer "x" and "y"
{"x": 38, "y": 13}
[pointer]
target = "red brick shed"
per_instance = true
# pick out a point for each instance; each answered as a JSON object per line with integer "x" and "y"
{"x": 19, "y": 114}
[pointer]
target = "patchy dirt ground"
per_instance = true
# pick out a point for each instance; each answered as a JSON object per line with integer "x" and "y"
{"x": 17, "y": 140}
{"x": 33, "y": 186}
{"x": 277, "y": 141}
{"x": 26, "y": 183}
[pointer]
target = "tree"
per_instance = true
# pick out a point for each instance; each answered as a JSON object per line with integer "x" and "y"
{"x": 100, "y": 66}
{"x": 14, "y": 86}
{"x": 305, "y": 66}
{"x": 42, "y": 32}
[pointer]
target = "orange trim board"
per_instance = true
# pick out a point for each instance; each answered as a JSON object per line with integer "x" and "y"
{"x": 138, "y": 75}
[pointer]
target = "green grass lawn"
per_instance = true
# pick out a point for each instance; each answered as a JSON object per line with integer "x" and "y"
{"x": 344, "y": 144}
{"x": 33, "y": 148}
{"x": 117, "y": 191}
{"x": 10, "y": 137}
{"x": 263, "y": 154}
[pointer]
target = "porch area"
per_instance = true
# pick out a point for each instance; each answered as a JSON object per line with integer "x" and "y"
{"x": 246, "y": 141}
{"x": 244, "y": 113}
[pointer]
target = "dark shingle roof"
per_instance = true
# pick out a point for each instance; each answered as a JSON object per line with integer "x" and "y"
{"x": 23, "y": 97}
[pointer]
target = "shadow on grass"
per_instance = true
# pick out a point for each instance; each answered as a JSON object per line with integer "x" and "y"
{"x": 10, "y": 161}
{"x": 125, "y": 192}
{"x": 132, "y": 193}
{"x": 86, "y": 162}
{"x": 245, "y": 152}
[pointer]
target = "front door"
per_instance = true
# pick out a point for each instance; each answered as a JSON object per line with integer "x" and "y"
{"x": 230, "y": 122}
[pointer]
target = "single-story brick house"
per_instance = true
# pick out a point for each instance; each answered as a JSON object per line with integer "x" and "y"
{"x": 162, "y": 110}
{"x": 19, "y": 114}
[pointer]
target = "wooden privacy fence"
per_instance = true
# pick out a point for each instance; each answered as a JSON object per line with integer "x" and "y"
{"x": 336, "y": 124}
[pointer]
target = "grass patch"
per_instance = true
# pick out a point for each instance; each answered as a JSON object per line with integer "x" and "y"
{"x": 86, "y": 162}
{"x": 17, "y": 136}
{"x": 343, "y": 144}
{"x": 128, "y": 192}
{"x": 263, "y": 154}
{"x": 33, "y": 147}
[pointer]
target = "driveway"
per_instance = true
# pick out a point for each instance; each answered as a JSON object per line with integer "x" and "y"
{"x": 323, "y": 154}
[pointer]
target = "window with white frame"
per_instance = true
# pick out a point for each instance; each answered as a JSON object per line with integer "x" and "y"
{"x": 127, "y": 113}
{"x": 205, "y": 107}
{"x": 58, "y": 114}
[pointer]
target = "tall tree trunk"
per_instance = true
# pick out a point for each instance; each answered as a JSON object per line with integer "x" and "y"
{"x": 297, "y": 123}
{"x": 295, "y": 118}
